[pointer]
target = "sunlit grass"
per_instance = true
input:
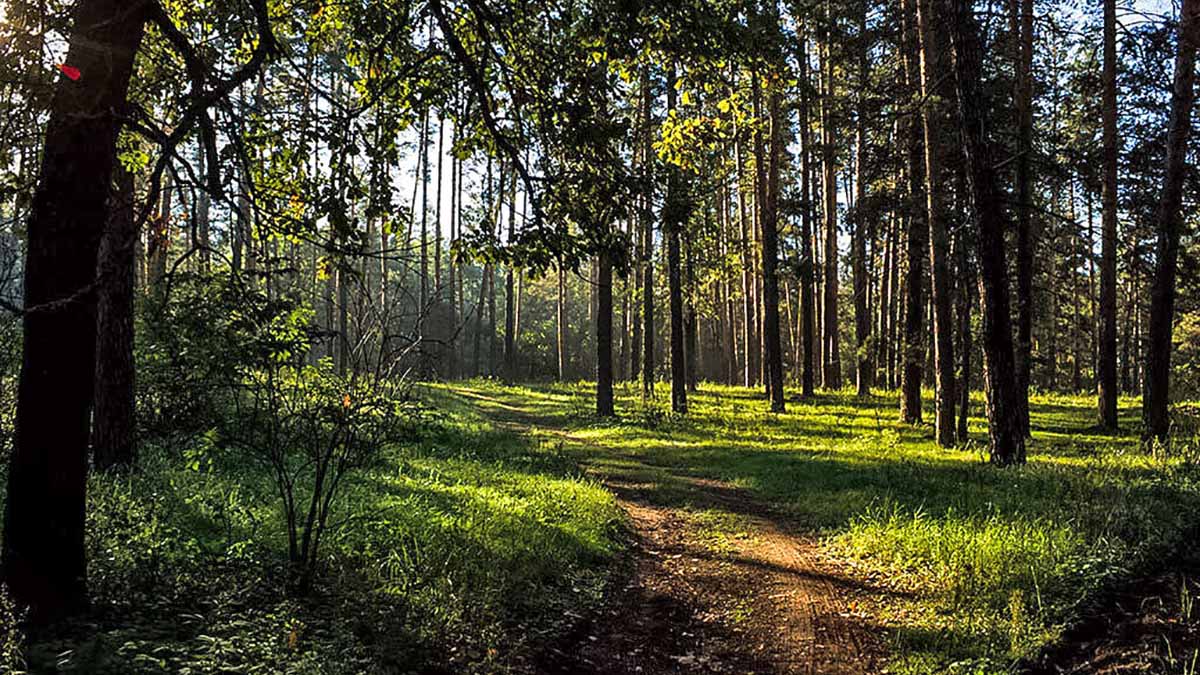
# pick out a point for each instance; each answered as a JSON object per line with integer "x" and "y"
{"x": 460, "y": 550}
{"x": 985, "y": 566}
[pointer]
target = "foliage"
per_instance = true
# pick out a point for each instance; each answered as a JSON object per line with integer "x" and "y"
{"x": 198, "y": 345}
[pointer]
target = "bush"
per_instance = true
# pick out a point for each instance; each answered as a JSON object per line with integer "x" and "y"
{"x": 310, "y": 427}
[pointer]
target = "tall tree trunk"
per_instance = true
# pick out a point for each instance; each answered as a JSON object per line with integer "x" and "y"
{"x": 1106, "y": 366}
{"x": 832, "y": 375}
{"x": 865, "y": 370}
{"x": 773, "y": 349}
{"x": 966, "y": 281}
{"x": 807, "y": 283}
{"x": 647, "y": 217}
{"x": 917, "y": 237}
{"x": 113, "y": 445}
{"x": 1022, "y": 24}
{"x": 604, "y": 351}
{"x": 561, "y": 321}
{"x": 749, "y": 337}
{"x": 510, "y": 296}
{"x": 675, "y": 217}
{"x": 1156, "y": 400}
{"x": 43, "y": 555}
{"x": 934, "y": 95}
{"x": 1006, "y": 437}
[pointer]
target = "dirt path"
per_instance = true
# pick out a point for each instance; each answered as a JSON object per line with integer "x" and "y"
{"x": 764, "y": 601}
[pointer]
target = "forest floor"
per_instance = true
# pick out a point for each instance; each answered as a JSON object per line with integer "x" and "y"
{"x": 724, "y": 585}
{"x": 833, "y": 539}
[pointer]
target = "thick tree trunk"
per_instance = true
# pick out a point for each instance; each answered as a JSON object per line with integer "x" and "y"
{"x": 917, "y": 238}
{"x": 1156, "y": 400}
{"x": 43, "y": 557}
{"x": 1106, "y": 360}
{"x": 113, "y": 440}
{"x": 934, "y": 95}
{"x": 1006, "y": 437}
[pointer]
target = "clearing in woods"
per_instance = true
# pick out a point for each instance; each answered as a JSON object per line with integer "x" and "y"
{"x": 833, "y": 539}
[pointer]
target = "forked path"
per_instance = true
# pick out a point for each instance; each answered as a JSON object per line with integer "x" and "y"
{"x": 763, "y": 601}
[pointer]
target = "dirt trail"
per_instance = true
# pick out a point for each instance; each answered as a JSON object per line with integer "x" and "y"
{"x": 764, "y": 602}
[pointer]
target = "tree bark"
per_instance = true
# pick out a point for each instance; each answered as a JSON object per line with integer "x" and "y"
{"x": 647, "y": 217}
{"x": 933, "y": 119}
{"x": 1022, "y": 24}
{"x": 917, "y": 238}
{"x": 807, "y": 283}
{"x": 832, "y": 375}
{"x": 43, "y": 555}
{"x": 773, "y": 348}
{"x": 1006, "y": 437}
{"x": 113, "y": 440}
{"x": 1156, "y": 400}
{"x": 865, "y": 370}
{"x": 675, "y": 216}
{"x": 604, "y": 351}
{"x": 1106, "y": 367}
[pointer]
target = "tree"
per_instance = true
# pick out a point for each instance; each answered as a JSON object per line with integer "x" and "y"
{"x": 807, "y": 282}
{"x": 832, "y": 373}
{"x": 1106, "y": 363}
{"x": 1022, "y": 25}
{"x": 1005, "y": 435}
{"x": 865, "y": 365}
{"x": 43, "y": 556}
{"x": 917, "y": 235}
{"x": 1169, "y": 223}
{"x": 675, "y": 217}
{"x": 773, "y": 352}
{"x": 939, "y": 245}
{"x": 113, "y": 416}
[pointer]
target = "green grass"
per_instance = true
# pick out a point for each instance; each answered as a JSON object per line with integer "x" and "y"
{"x": 460, "y": 551}
{"x": 982, "y": 567}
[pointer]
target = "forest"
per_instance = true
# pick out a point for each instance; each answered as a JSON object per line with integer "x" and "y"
{"x": 599, "y": 336}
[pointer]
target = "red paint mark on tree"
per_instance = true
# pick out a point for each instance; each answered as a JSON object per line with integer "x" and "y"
{"x": 70, "y": 71}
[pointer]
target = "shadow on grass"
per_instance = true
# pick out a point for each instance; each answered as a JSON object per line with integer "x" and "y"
{"x": 1009, "y": 554}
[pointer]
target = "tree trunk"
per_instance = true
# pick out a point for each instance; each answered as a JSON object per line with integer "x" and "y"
{"x": 1156, "y": 401}
{"x": 934, "y": 95}
{"x": 1006, "y": 437}
{"x": 832, "y": 375}
{"x": 604, "y": 351}
{"x": 113, "y": 429}
{"x": 773, "y": 349}
{"x": 1106, "y": 366}
{"x": 1022, "y": 24}
{"x": 43, "y": 556}
{"x": 675, "y": 216}
{"x": 865, "y": 370}
{"x": 807, "y": 283}
{"x": 647, "y": 217}
{"x": 917, "y": 238}
{"x": 561, "y": 322}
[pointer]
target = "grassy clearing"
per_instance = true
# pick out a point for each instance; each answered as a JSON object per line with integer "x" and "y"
{"x": 454, "y": 552}
{"x": 987, "y": 566}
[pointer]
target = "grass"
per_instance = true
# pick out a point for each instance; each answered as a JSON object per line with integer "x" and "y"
{"x": 984, "y": 566}
{"x": 459, "y": 552}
